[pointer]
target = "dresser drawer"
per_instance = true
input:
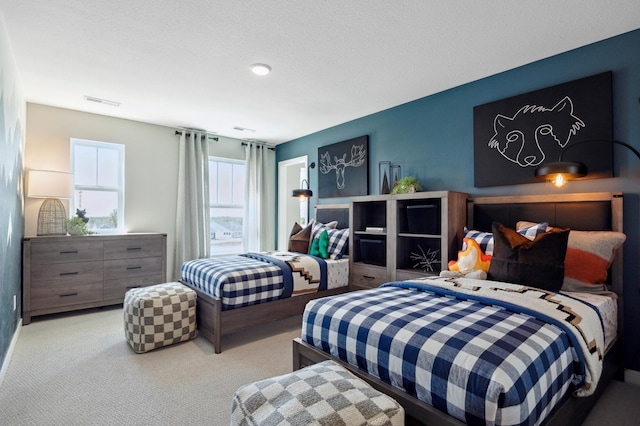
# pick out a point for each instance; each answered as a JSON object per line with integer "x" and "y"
{"x": 65, "y": 252}
{"x": 60, "y": 274}
{"x": 116, "y": 289}
{"x": 128, "y": 268}
{"x": 131, "y": 248}
{"x": 52, "y": 297}
{"x": 367, "y": 276}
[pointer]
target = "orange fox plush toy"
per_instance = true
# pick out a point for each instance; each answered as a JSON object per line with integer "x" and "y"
{"x": 471, "y": 259}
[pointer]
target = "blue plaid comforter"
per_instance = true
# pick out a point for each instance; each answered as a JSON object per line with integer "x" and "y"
{"x": 250, "y": 278}
{"x": 476, "y": 360}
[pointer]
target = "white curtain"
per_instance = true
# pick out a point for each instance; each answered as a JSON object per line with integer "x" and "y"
{"x": 192, "y": 219}
{"x": 260, "y": 200}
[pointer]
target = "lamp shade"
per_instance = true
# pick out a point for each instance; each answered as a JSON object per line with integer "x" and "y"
{"x": 49, "y": 184}
{"x": 570, "y": 169}
{"x": 302, "y": 192}
{"x": 560, "y": 172}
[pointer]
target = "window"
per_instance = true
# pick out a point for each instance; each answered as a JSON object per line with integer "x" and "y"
{"x": 226, "y": 198}
{"x": 98, "y": 178}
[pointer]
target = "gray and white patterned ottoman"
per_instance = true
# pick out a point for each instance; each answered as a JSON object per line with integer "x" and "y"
{"x": 321, "y": 394}
{"x": 159, "y": 315}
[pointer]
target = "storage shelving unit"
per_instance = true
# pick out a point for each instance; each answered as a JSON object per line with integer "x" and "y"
{"x": 431, "y": 222}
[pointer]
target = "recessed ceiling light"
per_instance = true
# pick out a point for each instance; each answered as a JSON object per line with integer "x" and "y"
{"x": 260, "y": 69}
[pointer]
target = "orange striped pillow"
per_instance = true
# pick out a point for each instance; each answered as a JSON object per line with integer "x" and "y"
{"x": 589, "y": 256}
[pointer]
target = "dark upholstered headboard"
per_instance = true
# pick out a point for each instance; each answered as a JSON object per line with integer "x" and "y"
{"x": 591, "y": 211}
{"x": 595, "y": 216}
{"x": 568, "y": 211}
{"x": 330, "y": 212}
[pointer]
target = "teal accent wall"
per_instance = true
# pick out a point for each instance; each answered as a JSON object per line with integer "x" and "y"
{"x": 12, "y": 118}
{"x": 432, "y": 139}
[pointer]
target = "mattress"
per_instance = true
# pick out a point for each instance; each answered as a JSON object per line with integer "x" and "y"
{"x": 253, "y": 278}
{"x": 476, "y": 360}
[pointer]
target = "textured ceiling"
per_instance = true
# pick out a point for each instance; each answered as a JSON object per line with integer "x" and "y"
{"x": 185, "y": 63}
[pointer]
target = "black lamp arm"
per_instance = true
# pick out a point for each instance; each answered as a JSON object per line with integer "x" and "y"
{"x": 635, "y": 151}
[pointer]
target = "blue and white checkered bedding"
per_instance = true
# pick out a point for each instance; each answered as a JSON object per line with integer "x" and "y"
{"x": 478, "y": 358}
{"x": 254, "y": 278}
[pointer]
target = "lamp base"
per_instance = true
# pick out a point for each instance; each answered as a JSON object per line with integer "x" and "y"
{"x": 52, "y": 218}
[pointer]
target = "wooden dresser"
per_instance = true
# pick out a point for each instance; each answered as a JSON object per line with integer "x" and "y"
{"x": 68, "y": 273}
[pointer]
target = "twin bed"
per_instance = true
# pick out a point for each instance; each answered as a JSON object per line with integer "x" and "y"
{"x": 238, "y": 292}
{"x": 455, "y": 351}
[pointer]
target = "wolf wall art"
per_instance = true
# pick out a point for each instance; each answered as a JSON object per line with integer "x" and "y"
{"x": 513, "y": 136}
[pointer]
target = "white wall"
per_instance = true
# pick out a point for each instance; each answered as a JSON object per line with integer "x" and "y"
{"x": 151, "y": 163}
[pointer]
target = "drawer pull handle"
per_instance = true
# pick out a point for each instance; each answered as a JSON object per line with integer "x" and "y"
{"x": 129, "y": 287}
{"x": 68, "y": 273}
{"x": 130, "y": 268}
{"x": 68, "y": 294}
{"x": 69, "y": 252}
{"x": 369, "y": 277}
{"x": 133, "y": 248}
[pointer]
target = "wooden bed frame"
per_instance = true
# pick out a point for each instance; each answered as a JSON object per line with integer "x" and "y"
{"x": 213, "y": 322}
{"x": 592, "y": 211}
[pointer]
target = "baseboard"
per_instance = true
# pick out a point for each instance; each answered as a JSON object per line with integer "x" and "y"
{"x": 7, "y": 359}
{"x": 632, "y": 376}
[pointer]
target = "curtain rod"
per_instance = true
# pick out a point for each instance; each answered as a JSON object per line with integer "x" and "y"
{"x": 261, "y": 145}
{"x": 214, "y": 138}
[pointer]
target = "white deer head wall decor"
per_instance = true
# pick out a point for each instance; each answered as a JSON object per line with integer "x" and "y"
{"x": 358, "y": 155}
{"x": 344, "y": 168}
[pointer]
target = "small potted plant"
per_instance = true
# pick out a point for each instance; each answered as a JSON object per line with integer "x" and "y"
{"x": 406, "y": 185}
{"x": 78, "y": 224}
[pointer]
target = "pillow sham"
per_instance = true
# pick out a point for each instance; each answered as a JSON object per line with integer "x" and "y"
{"x": 589, "y": 256}
{"x": 536, "y": 263}
{"x": 485, "y": 239}
{"x": 318, "y": 227}
{"x": 338, "y": 242}
{"x": 299, "y": 238}
{"x": 296, "y": 228}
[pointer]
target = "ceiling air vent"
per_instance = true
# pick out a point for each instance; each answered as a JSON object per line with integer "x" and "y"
{"x": 243, "y": 129}
{"x": 101, "y": 101}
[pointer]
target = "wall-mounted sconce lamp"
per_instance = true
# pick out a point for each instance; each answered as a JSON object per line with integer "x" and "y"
{"x": 52, "y": 217}
{"x": 561, "y": 172}
{"x": 304, "y": 192}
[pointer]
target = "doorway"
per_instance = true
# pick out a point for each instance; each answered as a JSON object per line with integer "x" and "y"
{"x": 291, "y": 209}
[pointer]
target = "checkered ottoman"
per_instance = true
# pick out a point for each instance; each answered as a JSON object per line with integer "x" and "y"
{"x": 159, "y": 315}
{"x": 321, "y": 394}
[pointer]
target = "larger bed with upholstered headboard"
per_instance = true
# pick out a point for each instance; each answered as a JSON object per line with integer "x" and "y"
{"x": 238, "y": 292}
{"x": 460, "y": 350}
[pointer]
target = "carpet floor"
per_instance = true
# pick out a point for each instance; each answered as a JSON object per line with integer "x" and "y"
{"x": 77, "y": 369}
